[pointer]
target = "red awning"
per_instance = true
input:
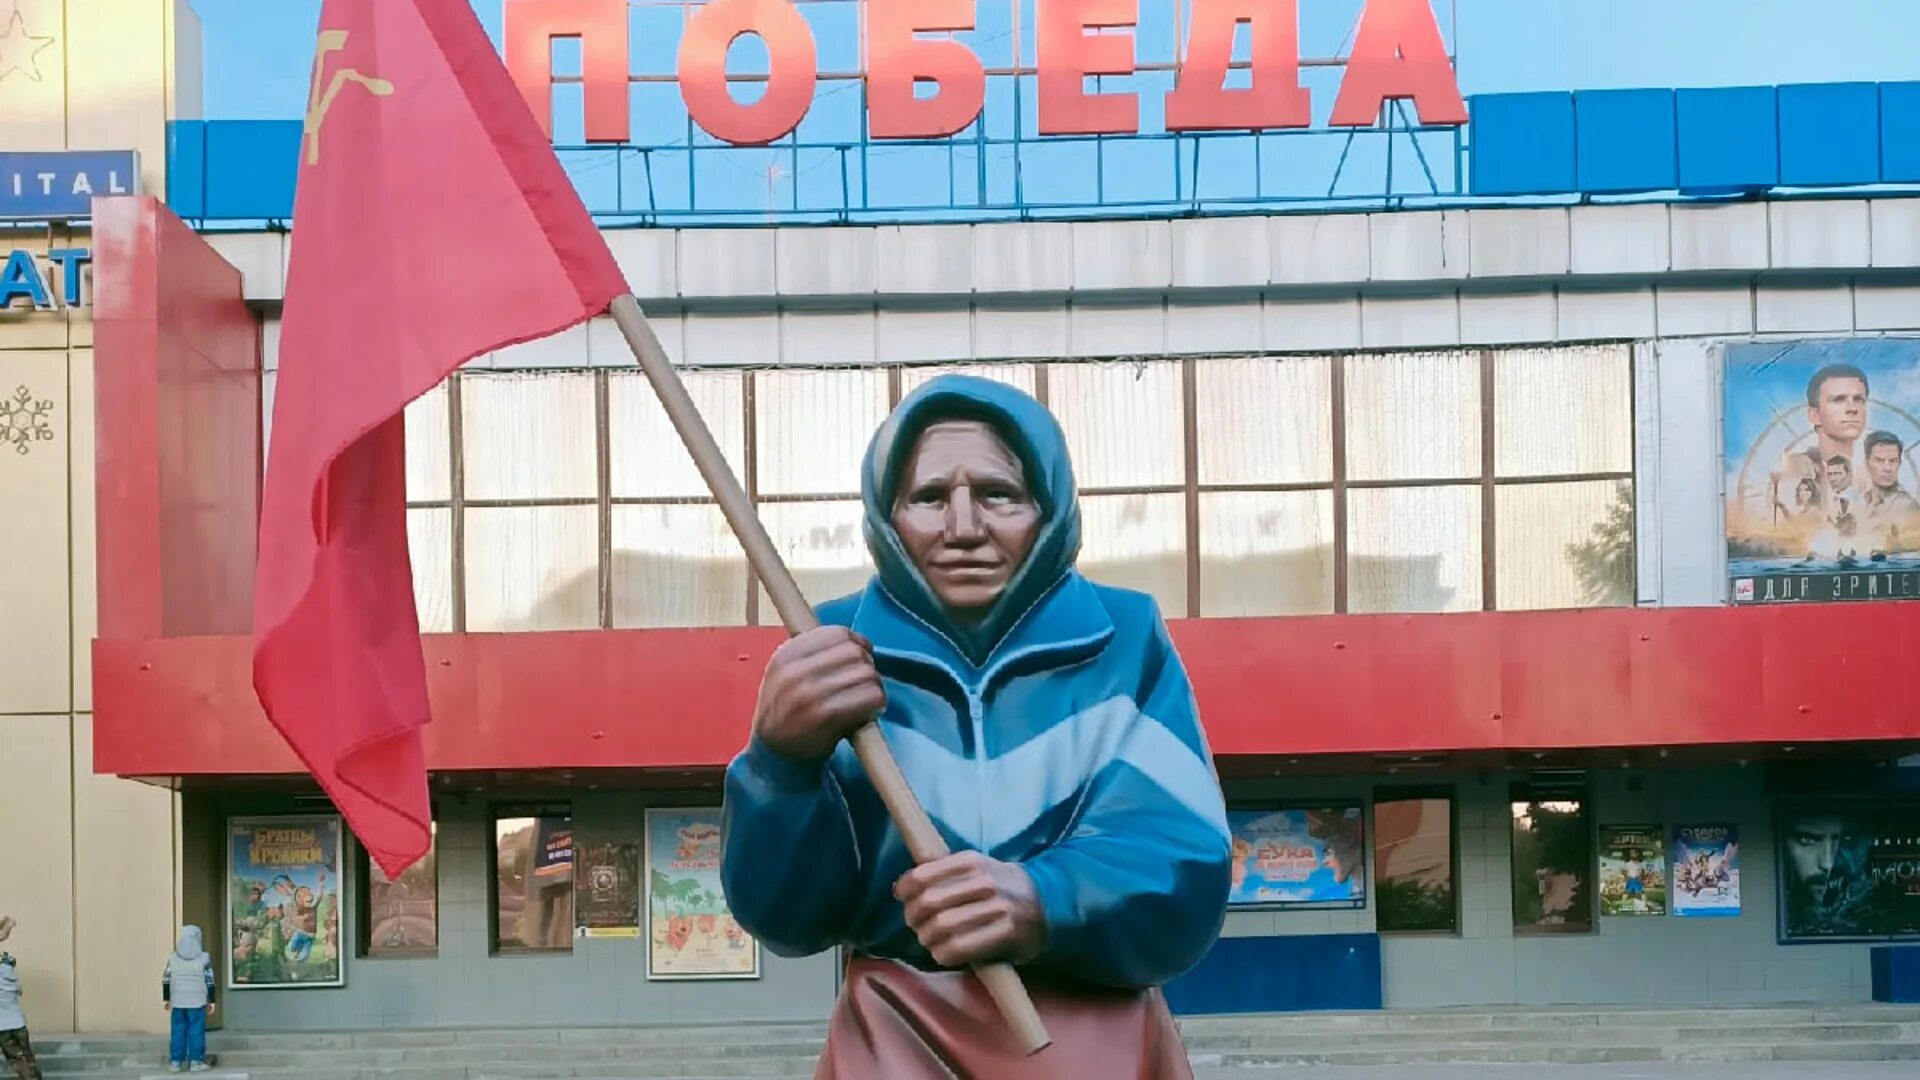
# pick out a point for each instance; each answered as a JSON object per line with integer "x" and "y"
{"x": 1343, "y": 684}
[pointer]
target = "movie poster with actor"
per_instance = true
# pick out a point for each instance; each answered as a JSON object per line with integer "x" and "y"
{"x": 691, "y": 933}
{"x": 1821, "y": 470}
{"x": 1851, "y": 871}
{"x": 1633, "y": 870}
{"x": 1706, "y": 871}
{"x": 283, "y": 892}
{"x": 1298, "y": 858}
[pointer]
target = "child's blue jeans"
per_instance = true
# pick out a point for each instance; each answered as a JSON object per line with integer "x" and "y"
{"x": 189, "y": 1036}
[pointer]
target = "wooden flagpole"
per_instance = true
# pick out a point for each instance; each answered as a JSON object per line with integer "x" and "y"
{"x": 923, "y": 841}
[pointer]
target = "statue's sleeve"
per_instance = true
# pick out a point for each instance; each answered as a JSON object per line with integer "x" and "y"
{"x": 1136, "y": 891}
{"x": 788, "y": 863}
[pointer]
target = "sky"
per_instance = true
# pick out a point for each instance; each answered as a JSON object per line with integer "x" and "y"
{"x": 258, "y": 53}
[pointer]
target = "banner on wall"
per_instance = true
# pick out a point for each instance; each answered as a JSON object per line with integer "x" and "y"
{"x": 1706, "y": 870}
{"x": 690, "y": 932}
{"x": 1313, "y": 857}
{"x": 1633, "y": 870}
{"x": 1821, "y": 476}
{"x": 283, "y": 890}
{"x": 607, "y": 887}
{"x": 1851, "y": 872}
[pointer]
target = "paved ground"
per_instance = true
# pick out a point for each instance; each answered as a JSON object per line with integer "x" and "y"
{"x": 1904, "y": 1070}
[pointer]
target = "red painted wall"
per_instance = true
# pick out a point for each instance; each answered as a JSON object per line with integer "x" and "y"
{"x": 1337, "y": 684}
{"x": 177, "y": 378}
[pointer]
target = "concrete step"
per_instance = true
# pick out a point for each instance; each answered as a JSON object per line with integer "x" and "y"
{"x": 1514, "y": 1036}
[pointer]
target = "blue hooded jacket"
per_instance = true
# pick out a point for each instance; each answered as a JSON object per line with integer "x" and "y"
{"x": 1059, "y": 733}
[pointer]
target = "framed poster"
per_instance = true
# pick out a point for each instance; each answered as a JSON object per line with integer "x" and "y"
{"x": 1850, "y": 872}
{"x": 1820, "y": 456}
{"x": 607, "y": 881}
{"x": 283, "y": 902}
{"x": 690, "y": 932}
{"x": 1706, "y": 870}
{"x": 1299, "y": 858}
{"x": 1633, "y": 870}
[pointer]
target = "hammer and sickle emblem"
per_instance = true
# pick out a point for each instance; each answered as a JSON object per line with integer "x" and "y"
{"x": 320, "y": 101}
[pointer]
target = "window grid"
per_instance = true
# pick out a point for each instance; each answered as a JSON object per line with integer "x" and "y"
{"x": 1340, "y": 485}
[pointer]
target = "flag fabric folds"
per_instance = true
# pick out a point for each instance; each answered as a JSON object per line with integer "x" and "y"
{"x": 433, "y": 224}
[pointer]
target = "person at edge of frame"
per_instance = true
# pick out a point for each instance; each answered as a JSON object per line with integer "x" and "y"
{"x": 1047, "y": 725}
{"x": 16, "y": 1047}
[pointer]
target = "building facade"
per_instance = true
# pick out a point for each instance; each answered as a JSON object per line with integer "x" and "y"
{"x": 1470, "y": 519}
{"x": 77, "y": 79}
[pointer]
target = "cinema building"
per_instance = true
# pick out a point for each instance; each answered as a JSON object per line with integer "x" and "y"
{"x": 1547, "y": 652}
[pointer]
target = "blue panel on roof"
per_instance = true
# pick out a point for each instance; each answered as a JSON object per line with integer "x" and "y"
{"x": 1900, "y": 133}
{"x": 1522, "y": 144}
{"x": 1829, "y": 134}
{"x": 1625, "y": 140}
{"x": 1729, "y": 138}
{"x": 186, "y": 167}
{"x": 251, "y": 168}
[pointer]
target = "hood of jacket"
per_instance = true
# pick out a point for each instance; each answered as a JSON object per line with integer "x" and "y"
{"x": 1036, "y": 440}
{"x": 189, "y": 946}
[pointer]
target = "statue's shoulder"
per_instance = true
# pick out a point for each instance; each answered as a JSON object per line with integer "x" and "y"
{"x": 842, "y": 610}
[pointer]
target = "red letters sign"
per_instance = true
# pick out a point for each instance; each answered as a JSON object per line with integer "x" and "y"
{"x": 1398, "y": 54}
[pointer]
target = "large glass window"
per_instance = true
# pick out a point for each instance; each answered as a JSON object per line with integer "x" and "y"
{"x": 532, "y": 881}
{"x": 401, "y": 916}
{"x": 1553, "y": 861}
{"x": 1268, "y": 485}
{"x": 1414, "y": 865}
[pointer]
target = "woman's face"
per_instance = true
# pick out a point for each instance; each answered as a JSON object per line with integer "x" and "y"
{"x": 965, "y": 515}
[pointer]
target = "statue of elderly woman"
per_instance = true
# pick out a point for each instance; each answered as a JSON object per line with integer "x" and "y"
{"x": 1049, "y": 729}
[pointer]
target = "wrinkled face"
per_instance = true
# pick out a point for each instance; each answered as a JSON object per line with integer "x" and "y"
{"x": 1841, "y": 412}
{"x": 1883, "y": 465}
{"x": 965, "y": 515}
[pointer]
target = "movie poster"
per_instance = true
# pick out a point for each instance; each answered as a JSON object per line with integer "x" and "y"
{"x": 607, "y": 880}
{"x": 283, "y": 892}
{"x": 1706, "y": 871}
{"x": 1633, "y": 870}
{"x": 690, "y": 932}
{"x": 1299, "y": 858}
{"x": 1821, "y": 474}
{"x": 1851, "y": 872}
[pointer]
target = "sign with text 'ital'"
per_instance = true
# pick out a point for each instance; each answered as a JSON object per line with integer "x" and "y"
{"x": 56, "y": 185}
{"x": 1398, "y": 54}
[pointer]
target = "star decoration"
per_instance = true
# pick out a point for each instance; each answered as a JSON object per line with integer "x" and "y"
{"x": 19, "y": 50}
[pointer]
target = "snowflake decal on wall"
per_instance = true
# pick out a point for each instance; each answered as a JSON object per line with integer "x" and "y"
{"x": 24, "y": 420}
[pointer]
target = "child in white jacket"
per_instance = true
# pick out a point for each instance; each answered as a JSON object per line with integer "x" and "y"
{"x": 15, "y": 1047}
{"x": 187, "y": 991}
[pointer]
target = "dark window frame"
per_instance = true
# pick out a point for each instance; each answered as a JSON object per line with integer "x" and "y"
{"x": 363, "y": 908}
{"x": 506, "y": 811}
{"x": 1418, "y": 793}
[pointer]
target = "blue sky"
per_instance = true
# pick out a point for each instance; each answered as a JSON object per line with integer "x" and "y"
{"x": 258, "y": 54}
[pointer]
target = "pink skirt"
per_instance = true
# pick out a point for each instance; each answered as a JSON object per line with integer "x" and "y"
{"x": 895, "y": 1022}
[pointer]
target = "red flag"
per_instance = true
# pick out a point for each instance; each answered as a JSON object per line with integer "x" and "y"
{"x": 434, "y": 224}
